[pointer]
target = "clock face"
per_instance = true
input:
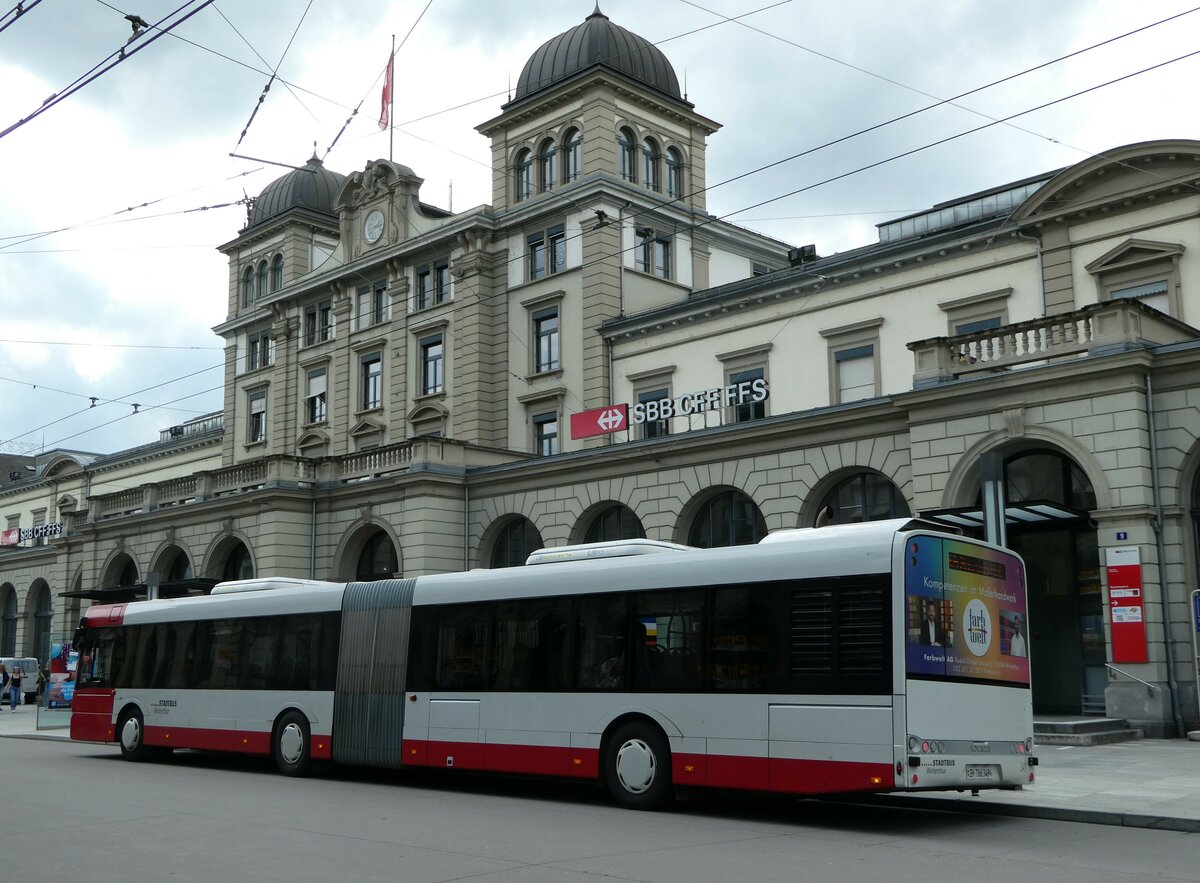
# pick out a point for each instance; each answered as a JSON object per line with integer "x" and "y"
{"x": 373, "y": 228}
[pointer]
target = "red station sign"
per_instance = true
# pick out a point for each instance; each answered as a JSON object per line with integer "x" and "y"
{"x": 1126, "y": 610}
{"x": 600, "y": 421}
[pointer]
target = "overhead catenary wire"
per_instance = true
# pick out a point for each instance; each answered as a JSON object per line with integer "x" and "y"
{"x": 274, "y": 70}
{"x": 98, "y": 401}
{"x": 10, "y": 18}
{"x": 107, "y": 64}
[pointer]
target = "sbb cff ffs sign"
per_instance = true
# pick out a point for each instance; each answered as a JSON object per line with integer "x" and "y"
{"x": 747, "y": 392}
{"x": 613, "y": 418}
{"x": 599, "y": 421}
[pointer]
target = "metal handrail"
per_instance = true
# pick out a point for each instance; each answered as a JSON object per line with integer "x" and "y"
{"x": 1131, "y": 677}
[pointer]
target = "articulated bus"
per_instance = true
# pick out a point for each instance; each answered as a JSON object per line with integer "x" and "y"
{"x": 872, "y": 657}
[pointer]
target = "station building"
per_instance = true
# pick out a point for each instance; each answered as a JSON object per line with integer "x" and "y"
{"x": 594, "y": 356}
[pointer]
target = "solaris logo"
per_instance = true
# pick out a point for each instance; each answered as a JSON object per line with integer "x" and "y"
{"x": 977, "y": 627}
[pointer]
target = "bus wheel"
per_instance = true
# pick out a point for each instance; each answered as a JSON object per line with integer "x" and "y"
{"x": 637, "y": 767}
{"x": 291, "y": 745}
{"x": 131, "y": 733}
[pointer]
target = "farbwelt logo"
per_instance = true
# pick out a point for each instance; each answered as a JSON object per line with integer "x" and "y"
{"x": 977, "y": 627}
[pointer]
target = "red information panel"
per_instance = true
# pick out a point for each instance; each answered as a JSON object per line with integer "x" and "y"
{"x": 1127, "y": 613}
{"x": 600, "y": 421}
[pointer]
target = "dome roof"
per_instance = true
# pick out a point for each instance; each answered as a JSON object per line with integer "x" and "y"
{"x": 597, "y": 41}
{"x": 313, "y": 187}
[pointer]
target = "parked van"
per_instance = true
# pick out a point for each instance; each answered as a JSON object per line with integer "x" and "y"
{"x": 29, "y": 673}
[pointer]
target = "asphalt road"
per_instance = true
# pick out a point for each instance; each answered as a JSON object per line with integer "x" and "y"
{"x": 78, "y": 812}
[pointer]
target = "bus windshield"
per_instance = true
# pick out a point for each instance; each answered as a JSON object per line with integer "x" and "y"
{"x": 966, "y": 612}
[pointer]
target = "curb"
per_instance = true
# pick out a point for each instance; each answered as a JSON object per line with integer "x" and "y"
{"x": 1054, "y": 813}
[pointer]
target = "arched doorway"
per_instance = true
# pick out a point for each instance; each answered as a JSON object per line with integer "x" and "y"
{"x": 864, "y": 496}
{"x": 238, "y": 564}
{"x": 1067, "y": 650}
{"x": 728, "y": 518}
{"x": 8, "y": 625}
{"x": 615, "y": 522}
{"x": 378, "y": 559}
{"x": 517, "y": 540}
{"x": 37, "y": 642}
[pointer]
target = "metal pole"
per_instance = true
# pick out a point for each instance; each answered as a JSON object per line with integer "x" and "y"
{"x": 392, "y": 99}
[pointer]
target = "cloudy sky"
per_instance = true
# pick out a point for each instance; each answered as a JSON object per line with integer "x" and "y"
{"x": 110, "y": 197}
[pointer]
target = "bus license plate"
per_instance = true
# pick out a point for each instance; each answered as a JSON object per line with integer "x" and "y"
{"x": 983, "y": 772}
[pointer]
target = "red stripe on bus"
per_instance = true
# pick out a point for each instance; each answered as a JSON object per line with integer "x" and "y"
{"x": 719, "y": 771}
{"x": 101, "y": 615}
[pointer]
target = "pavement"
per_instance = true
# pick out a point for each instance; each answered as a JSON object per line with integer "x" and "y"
{"x": 1146, "y": 783}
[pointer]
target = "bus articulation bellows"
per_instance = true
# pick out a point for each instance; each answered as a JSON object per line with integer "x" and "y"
{"x": 859, "y": 658}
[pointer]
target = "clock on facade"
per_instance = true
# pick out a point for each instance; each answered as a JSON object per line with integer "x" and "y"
{"x": 373, "y": 227}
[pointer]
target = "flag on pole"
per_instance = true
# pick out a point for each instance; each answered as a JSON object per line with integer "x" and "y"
{"x": 386, "y": 99}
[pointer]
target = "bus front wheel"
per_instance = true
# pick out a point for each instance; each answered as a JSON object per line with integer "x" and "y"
{"x": 131, "y": 733}
{"x": 292, "y": 745}
{"x": 637, "y": 767}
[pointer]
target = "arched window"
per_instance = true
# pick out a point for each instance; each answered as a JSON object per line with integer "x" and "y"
{"x": 674, "y": 173}
{"x": 8, "y": 625}
{"x": 262, "y": 279}
{"x": 38, "y": 643}
{"x": 239, "y": 564}
{"x": 377, "y": 559}
{"x": 572, "y": 155}
{"x": 277, "y": 273}
{"x": 729, "y": 518}
{"x": 546, "y": 160}
{"x": 627, "y": 154}
{"x": 867, "y": 496}
{"x": 1047, "y": 475}
{"x": 180, "y": 568}
{"x": 1195, "y": 521}
{"x": 651, "y": 175}
{"x": 129, "y": 574}
{"x": 517, "y": 541}
{"x": 615, "y": 523}
{"x": 523, "y": 175}
{"x": 248, "y": 287}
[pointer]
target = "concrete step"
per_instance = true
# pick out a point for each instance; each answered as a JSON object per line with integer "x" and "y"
{"x": 1084, "y": 731}
{"x": 1077, "y": 726}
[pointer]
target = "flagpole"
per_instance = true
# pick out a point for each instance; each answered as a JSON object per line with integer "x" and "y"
{"x": 392, "y": 102}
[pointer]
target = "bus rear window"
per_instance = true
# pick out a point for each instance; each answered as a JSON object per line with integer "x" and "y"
{"x": 966, "y": 612}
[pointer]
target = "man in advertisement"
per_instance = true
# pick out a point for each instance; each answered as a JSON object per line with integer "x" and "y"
{"x": 932, "y": 632}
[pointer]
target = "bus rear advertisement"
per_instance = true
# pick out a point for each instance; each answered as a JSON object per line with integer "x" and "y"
{"x": 886, "y": 656}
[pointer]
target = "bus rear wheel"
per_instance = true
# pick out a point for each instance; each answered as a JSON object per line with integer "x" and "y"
{"x": 291, "y": 745}
{"x": 131, "y": 734}
{"x": 637, "y": 767}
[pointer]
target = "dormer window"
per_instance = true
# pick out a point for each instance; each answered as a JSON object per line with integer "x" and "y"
{"x": 523, "y": 175}
{"x": 546, "y": 164}
{"x": 651, "y": 174}
{"x": 572, "y": 155}
{"x": 627, "y": 154}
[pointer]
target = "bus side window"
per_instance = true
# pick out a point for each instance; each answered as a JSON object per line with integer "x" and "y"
{"x": 601, "y": 639}
{"x": 422, "y": 642}
{"x": 668, "y": 644}
{"x": 462, "y": 648}
{"x": 739, "y": 646}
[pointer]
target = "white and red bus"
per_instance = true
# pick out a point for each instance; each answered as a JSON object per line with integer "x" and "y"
{"x": 859, "y": 658}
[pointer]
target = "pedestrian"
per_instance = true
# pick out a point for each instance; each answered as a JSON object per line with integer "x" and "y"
{"x": 41, "y": 683}
{"x": 4, "y": 678}
{"x": 15, "y": 696}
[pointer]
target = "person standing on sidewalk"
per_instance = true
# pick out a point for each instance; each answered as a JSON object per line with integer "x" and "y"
{"x": 4, "y": 679}
{"x": 15, "y": 696}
